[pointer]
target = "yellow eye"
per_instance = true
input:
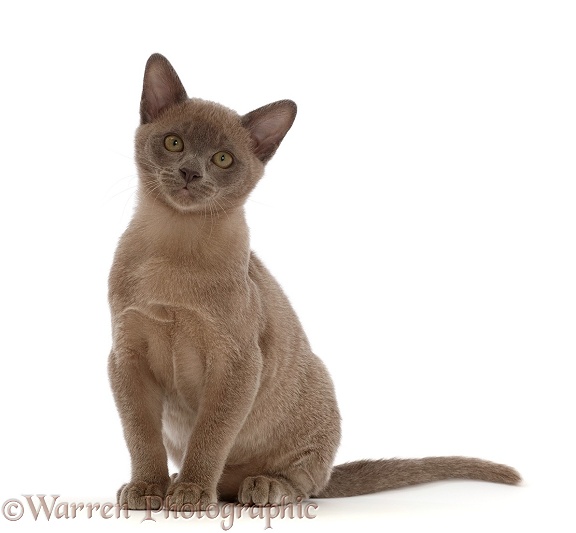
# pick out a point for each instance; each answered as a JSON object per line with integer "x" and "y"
{"x": 222, "y": 159}
{"x": 173, "y": 143}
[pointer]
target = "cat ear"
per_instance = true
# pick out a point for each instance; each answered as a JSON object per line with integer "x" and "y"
{"x": 268, "y": 125}
{"x": 162, "y": 88}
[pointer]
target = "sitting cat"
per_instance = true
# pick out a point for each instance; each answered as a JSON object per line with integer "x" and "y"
{"x": 209, "y": 364}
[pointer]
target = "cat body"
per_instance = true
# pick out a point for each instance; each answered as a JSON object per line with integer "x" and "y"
{"x": 209, "y": 364}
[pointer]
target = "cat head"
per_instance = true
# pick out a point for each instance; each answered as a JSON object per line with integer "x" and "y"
{"x": 194, "y": 155}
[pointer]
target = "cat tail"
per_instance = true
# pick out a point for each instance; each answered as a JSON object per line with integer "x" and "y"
{"x": 367, "y": 477}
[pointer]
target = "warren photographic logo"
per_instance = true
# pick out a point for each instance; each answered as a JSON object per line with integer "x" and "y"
{"x": 43, "y": 507}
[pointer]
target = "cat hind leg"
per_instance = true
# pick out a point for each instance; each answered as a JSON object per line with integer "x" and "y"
{"x": 266, "y": 489}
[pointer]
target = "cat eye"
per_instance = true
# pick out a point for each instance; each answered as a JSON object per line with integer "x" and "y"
{"x": 222, "y": 159}
{"x": 173, "y": 143}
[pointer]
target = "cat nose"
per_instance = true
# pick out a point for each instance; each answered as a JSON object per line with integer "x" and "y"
{"x": 189, "y": 175}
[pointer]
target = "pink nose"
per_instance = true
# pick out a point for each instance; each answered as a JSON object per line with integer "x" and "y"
{"x": 189, "y": 175}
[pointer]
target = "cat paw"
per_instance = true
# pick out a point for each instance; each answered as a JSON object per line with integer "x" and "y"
{"x": 264, "y": 490}
{"x": 139, "y": 495}
{"x": 183, "y": 496}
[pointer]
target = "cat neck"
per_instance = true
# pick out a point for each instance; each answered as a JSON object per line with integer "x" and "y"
{"x": 209, "y": 237}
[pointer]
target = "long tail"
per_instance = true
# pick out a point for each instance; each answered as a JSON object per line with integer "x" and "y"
{"x": 366, "y": 477}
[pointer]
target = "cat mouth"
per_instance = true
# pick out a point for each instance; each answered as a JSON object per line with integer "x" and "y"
{"x": 189, "y": 191}
{"x": 186, "y": 197}
{"x": 189, "y": 197}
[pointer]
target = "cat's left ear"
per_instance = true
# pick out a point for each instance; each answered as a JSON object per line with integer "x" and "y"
{"x": 162, "y": 88}
{"x": 268, "y": 125}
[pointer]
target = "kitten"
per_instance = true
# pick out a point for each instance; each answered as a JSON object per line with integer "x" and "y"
{"x": 209, "y": 364}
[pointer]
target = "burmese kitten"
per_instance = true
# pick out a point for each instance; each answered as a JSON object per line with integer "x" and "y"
{"x": 209, "y": 364}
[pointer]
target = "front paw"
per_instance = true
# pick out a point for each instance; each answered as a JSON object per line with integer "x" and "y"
{"x": 139, "y": 495}
{"x": 183, "y": 496}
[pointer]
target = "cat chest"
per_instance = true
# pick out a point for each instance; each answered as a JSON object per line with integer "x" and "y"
{"x": 160, "y": 284}
{"x": 166, "y": 341}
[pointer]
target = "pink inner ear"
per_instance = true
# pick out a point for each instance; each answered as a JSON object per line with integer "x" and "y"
{"x": 271, "y": 126}
{"x": 162, "y": 91}
{"x": 155, "y": 95}
{"x": 162, "y": 88}
{"x": 268, "y": 125}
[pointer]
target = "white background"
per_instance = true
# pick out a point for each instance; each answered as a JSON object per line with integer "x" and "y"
{"x": 420, "y": 215}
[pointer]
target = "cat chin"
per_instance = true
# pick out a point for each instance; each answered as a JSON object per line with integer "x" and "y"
{"x": 185, "y": 203}
{"x": 186, "y": 207}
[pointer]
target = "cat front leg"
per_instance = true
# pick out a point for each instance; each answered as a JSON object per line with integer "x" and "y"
{"x": 232, "y": 381}
{"x": 139, "y": 402}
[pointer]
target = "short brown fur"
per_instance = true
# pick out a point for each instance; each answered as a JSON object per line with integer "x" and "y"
{"x": 209, "y": 364}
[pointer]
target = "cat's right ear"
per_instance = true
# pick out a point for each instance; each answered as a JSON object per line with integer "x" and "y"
{"x": 162, "y": 88}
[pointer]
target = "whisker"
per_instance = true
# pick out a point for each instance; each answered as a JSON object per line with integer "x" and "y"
{"x": 211, "y": 219}
{"x": 131, "y": 156}
{"x": 122, "y": 192}
{"x": 220, "y": 206}
{"x": 126, "y": 203}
